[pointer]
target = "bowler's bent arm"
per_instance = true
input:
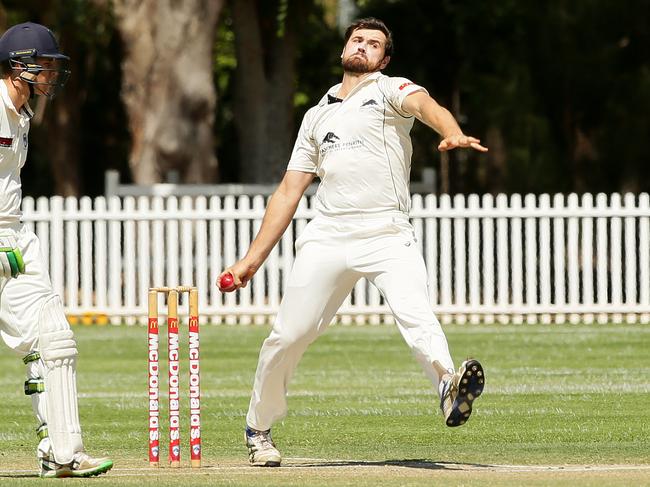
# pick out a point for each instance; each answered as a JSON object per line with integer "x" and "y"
{"x": 279, "y": 212}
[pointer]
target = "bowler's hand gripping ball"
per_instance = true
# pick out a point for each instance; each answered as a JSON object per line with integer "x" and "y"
{"x": 226, "y": 281}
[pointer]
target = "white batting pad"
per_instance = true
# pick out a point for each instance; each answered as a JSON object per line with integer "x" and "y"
{"x": 58, "y": 353}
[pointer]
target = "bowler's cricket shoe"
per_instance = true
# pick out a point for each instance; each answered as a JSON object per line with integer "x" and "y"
{"x": 261, "y": 449}
{"x": 460, "y": 391}
{"x": 82, "y": 465}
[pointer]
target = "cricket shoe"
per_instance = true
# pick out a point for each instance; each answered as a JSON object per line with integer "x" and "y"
{"x": 460, "y": 391}
{"x": 261, "y": 449}
{"x": 82, "y": 465}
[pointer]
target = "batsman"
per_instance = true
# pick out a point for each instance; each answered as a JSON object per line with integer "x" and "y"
{"x": 356, "y": 140}
{"x": 32, "y": 321}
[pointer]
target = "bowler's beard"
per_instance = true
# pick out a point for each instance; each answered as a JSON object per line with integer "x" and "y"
{"x": 358, "y": 65}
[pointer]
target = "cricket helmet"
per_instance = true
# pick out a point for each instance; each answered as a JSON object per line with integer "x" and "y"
{"x": 24, "y": 46}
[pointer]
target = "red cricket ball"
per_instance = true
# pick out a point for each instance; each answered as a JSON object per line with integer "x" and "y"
{"x": 226, "y": 281}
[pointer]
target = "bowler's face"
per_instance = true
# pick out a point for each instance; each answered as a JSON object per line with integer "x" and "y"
{"x": 364, "y": 51}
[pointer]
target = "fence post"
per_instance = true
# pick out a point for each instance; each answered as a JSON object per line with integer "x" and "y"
{"x": 244, "y": 239}
{"x": 131, "y": 263}
{"x": 587, "y": 258}
{"x": 616, "y": 259}
{"x": 144, "y": 246}
{"x": 488, "y": 258}
{"x": 430, "y": 252}
{"x": 573, "y": 259}
{"x": 460, "y": 257}
{"x": 601, "y": 257}
{"x": 545, "y": 257}
{"x": 474, "y": 250}
{"x": 445, "y": 259}
{"x": 216, "y": 253}
{"x": 71, "y": 276}
{"x": 201, "y": 259}
{"x": 86, "y": 249}
{"x": 115, "y": 259}
{"x": 516, "y": 259}
{"x": 644, "y": 257}
{"x": 559, "y": 258}
{"x": 532, "y": 256}
{"x": 100, "y": 262}
{"x": 630, "y": 257}
{"x": 230, "y": 249}
{"x": 503, "y": 262}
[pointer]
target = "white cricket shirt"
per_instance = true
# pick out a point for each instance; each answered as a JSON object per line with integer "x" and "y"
{"x": 14, "y": 129}
{"x": 359, "y": 147}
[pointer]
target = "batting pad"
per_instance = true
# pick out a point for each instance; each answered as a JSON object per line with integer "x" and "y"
{"x": 58, "y": 353}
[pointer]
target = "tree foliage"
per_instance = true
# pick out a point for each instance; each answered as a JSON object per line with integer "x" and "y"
{"x": 559, "y": 91}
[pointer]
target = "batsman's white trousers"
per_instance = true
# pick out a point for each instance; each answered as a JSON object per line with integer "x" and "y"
{"x": 332, "y": 254}
{"x": 32, "y": 319}
{"x": 22, "y": 298}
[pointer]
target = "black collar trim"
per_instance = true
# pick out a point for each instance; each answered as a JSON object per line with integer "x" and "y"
{"x": 332, "y": 99}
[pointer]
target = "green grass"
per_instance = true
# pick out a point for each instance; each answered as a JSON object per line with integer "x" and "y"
{"x": 362, "y": 412}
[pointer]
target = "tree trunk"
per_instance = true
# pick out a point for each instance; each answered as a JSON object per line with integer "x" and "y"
{"x": 168, "y": 88}
{"x": 264, "y": 89}
{"x": 62, "y": 136}
{"x": 279, "y": 112}
{"x": 64, "y": 124}
{"x": 250, "y": 91}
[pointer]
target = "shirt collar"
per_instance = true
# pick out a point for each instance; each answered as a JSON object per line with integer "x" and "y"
{"x": 331, "y": 93}
{"x": 26, "y": 110}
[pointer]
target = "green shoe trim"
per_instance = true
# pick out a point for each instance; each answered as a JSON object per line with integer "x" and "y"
{"x": 98, "y": 470}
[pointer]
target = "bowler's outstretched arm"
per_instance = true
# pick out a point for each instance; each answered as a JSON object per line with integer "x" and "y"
{"x": 429, "y": 112}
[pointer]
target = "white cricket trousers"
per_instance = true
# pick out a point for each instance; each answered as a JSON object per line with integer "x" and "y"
{"x": 332, "y": 254}
{"x": 21, "y": 299}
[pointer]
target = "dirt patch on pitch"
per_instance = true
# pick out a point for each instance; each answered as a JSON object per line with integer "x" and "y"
{"x": 320, "y": 472}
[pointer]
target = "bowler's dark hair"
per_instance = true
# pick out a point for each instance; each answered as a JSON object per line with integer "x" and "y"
{"x": 372, "y": 24}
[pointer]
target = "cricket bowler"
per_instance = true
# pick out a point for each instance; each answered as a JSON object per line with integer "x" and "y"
{"x": 356, "y": 140}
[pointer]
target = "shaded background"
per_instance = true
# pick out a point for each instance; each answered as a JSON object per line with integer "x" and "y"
{"x": 215, "y": 89}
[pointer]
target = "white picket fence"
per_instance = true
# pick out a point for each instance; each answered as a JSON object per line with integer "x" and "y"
{"x": 505, "y": 259}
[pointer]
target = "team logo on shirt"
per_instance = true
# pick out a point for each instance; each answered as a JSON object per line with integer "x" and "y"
{"x": 6, "y": 141}
{"x": 369, "y": 103}
{"x": 404, "y": 85}
{"x": 332, "y": 143}
{"x": 330, "y": 138}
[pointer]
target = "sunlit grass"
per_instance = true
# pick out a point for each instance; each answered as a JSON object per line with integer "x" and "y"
{"x": 555, "y": 395}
